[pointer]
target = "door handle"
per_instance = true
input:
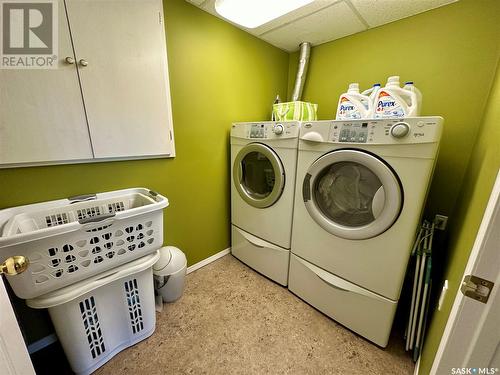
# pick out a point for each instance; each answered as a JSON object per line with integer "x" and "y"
{"x": 14, "y": 265}
{"x": 83, "y": 62}
{"x": 312, "y": 137}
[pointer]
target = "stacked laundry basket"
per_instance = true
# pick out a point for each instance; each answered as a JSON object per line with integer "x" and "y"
{"x": 90, "y": 264}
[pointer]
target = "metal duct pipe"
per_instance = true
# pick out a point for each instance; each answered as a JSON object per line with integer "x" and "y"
{"x": 305, "y": 52}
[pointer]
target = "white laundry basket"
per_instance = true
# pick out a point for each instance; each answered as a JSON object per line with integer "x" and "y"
{"x": 72, "y": 239}
{"x": 97, "y": 318}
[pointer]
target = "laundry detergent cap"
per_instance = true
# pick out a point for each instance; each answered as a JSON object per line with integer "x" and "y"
{"x": 393, "y": 81}
{"x": 353, "y": 87}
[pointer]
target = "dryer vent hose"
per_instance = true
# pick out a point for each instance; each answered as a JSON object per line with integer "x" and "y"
{"x": 305, "y": 53}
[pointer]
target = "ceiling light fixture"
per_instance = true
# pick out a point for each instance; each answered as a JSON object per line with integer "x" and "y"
{"x": 254, "y": 13}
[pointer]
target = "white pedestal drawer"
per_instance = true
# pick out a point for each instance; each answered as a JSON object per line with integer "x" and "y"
{"x": 264, "y": 257}
{"x": 360, "y": 310}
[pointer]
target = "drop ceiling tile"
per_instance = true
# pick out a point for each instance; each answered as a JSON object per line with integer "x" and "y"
{"x": 326, "y": 20}
{"x": 304, "y": 11}
{"x": 316, "y": 5}
{"x": 333, "y": 22}
{"x": 380, "y": 12}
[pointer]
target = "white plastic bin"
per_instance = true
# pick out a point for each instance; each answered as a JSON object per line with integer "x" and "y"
{"x": 170, "y": 273}
{"x": 72, "y": 239}
{"x": 97, "y": 318}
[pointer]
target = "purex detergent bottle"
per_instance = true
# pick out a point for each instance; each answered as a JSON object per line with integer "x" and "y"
{"x": 394, "y": 101}
{"x": 353, "y": 105}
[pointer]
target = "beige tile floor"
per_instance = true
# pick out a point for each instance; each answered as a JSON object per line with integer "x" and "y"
{"x": 231, "y": 320}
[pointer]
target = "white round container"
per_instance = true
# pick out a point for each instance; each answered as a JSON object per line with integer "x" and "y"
{"x": 170, "y": 273}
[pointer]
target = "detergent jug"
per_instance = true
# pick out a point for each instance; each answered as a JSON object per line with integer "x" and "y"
{"x": 410, "y": 86}
{"x": 353, "y": 105}
{"x": 372, "y": 91}
{"x": 394, "y": 101}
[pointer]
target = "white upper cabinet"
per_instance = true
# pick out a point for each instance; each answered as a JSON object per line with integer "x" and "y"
{"x": 42, "y": 118}
{"x": 112, "y": 103}
{"x": 125, "y": 81}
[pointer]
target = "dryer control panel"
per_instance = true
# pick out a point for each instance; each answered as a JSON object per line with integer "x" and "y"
{"x": 408, "y": 130}
{"x": 351, "y": 132}
{"x": 266, "y": 130}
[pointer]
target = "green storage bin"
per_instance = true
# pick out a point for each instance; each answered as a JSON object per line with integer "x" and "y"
{"x": 298, "y": 111}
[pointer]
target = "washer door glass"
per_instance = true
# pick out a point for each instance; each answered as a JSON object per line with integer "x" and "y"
{"x": 345, "y": 192}
{"x": 258, "y": 175}
{"x": 352, "y": 194}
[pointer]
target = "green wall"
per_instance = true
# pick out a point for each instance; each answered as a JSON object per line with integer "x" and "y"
{"x": 478, "y": 182}
{"x": 218, "y": 74}
{"x": 449, "y": 52}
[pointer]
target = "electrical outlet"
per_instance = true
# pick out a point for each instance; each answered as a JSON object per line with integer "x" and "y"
{"x": 443, "y": 295}
{"x": 440, "y": 222}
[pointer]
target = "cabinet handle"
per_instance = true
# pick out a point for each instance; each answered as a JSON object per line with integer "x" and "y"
{"x": 69, "y": 60}
{"x": 83, "y": 62}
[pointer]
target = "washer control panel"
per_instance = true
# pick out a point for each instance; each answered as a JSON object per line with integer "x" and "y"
{"x": 374, "y": 131}
{"x": 257, "y": 131}
{"x": 266, "y": 130}
{"x": 351, "y": 132}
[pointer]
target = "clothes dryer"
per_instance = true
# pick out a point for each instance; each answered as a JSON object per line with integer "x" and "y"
{"x": 263, "y": 167}
{"x": 360, "y": 191}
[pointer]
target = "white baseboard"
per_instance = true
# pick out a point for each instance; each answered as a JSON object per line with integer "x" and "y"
{"x": 42, "y": 343}
{"x": 208, "y": 260}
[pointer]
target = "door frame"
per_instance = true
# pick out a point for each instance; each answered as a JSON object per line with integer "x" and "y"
{"x": 14, "y": 357}
{"x": 452, "y": 347}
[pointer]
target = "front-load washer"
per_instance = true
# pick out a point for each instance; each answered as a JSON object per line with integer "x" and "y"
{"x": 263, "y": 167}
{"x": 361, "y": 187}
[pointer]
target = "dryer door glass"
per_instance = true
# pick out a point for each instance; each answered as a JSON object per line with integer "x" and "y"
{"x": 352, "y": 194}
{"x": 258, "y": 175}
{"x": 345, "y": 192}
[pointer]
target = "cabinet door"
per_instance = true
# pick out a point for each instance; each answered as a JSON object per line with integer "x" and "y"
{"x": 42, "y": 119}
{"x": 124, "y": 77}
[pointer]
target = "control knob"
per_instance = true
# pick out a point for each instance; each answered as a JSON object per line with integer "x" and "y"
{"x": 278, "y": 129}
{"x": 400, "y": 130}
